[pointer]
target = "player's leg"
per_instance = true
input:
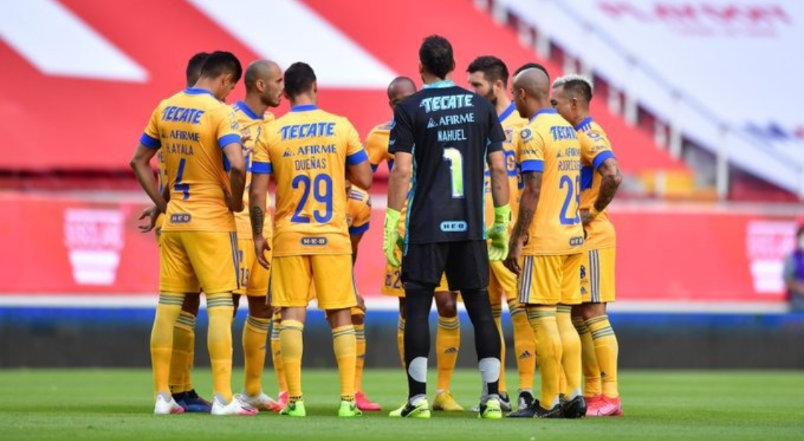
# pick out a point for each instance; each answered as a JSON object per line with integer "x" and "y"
{"x": 603, "y": 336}
{"x": 524, "y": 347}
{"x": 335, "y": 289}
{"x": 400, "y": 331}
{"x": 276, "y": 359}
{"x": 393, "y": 287}
{"x": 181, "y": 362}
{"x": 448, "y": 344}
{"x": 575, "y": 404}
{"x": 591, "y": 371}
{"x": 540, "y": 291}
{"x": 467, "y": 269}
{"x": 290, "y": 286}
{"x": 176, "y": 277}
{"x": 358, "y": 321}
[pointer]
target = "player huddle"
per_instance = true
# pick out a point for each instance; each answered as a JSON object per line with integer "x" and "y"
{"x": 542, "y": 159}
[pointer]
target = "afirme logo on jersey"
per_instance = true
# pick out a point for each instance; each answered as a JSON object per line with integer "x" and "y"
{"x": 453, "y": 226}
{"x": 94, "y": 239}
{"x": 313, "y": 241}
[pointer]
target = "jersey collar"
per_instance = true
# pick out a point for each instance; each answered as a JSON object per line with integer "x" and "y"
{"x": 198, "y": 91}
{"x": 585, "y": 122}
{"x": 508, "y": 111}
{"x": 547, "y": 110}
{"x": 303, "y": 108}
{"x": 247, "y": 110}
{"x": 439, "y": 85}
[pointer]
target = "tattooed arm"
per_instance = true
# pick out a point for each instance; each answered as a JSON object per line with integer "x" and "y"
{"x": 257, "y": 209}
{"x": 527, "y": 209}
{"x": 609, "y": 171}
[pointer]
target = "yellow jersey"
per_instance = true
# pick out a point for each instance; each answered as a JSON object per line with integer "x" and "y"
{"x": 251, "y": 126}
{"x": 511, "y": 123}
{"x": 358, "y": 210}
{"x": 550, "y": 145}
{"x": 190, "y": 128}
{"x": 307, "y": 151}
{"x": 595, "y": 149}
{"x": 377, "y": 146}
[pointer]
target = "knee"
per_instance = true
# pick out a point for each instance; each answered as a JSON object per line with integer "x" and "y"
{"x": 191, "y": 303}
{"x": 257, "y": 308}
{"x": 591, "y": 310}
{"x": 447, "y": 304}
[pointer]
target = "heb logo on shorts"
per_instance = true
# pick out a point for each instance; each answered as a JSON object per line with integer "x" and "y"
{"x": 453, "y": 226}
{"x": 181, "y": 218}
{"x": 576, "y": 241}
{"x": 313, "y": 241}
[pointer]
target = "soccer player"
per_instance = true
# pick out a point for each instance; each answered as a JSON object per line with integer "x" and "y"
{"x": 264, "y": 86}
{"x": 197, "y": 245}
{"x": 181, "y": 360}
{"x": 600, "y": 178}
{"x": 488, "y": 77}
{"x": 309, "y": 151}
{"x": 547, "y": 238}
{"x": 448, "y": 335}
{"x": 442, "y": 136}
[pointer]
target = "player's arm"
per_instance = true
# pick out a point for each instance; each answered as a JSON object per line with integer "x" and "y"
{"x": 610, "y": 181}
{"x": 141, "y": 165}
{"x": 261, "y": 170}
{"x": 237, "y": 175}
{"x": 527, "y": 209}
{"x": 358, "y": 168}
{"x": 499, "y": 178}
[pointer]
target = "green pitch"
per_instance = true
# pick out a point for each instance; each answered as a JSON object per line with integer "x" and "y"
{"x": 116, "y": 405}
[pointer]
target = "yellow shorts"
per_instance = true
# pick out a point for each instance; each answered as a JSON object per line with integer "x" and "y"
{"x": 597, "y": 275}
{"x": 189, "y": 260}
{"x": 502, "y": 283}
{"x": 252, "y": 276}
{"x": 355, "y": 309}
{"x": 550, "y": 280}
{"x": 293, "y": 277}
{"x": 393, "y": 280}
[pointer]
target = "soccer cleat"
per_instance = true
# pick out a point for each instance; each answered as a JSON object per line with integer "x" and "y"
{"x": 193, "y": 403}
{"x": 281, "y": 401}
{"x": 525, "y": 400}
{"x": 446, "y": 402}
{"x": 294, "y": 409}
{"x": 166, "y": 406}
{"x": 234, "y": 407}
{"x": 420, "y": 410}
{"x": 260, "y": 402}
{"x": 505, "y": 402}
{"x": 349, "y": 409}
{"x": 491, "y": 410}
{"x": 605, "y": 406}
{"x": 536, "y": 411}
{"x": 574, "y": 408}
{"x": 364, "y": 403}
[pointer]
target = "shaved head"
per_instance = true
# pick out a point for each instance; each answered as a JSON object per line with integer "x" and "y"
{"x": 534, "y": 82}
{"x": 259, "y": 70}
{"x": 399, "y": 89}
{"x": 264, "y": 81}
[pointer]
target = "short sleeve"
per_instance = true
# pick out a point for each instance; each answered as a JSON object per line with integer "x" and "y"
{"x": 361, "y": 219}
{"x": 401, "y": 139}
{"x": 150, "y": 136}
{"x": 530, "y": 151}
{"x": 227, "y": 127}
{"x": 261, "y": 163}
{"x": 355, "y": 154}
{"x": 377, "y": 148}
{"x": 599, "y": 149}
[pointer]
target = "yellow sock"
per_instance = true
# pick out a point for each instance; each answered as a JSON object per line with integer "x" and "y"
{"x": 448, "y": 342}
{"x": 292, "y": 347}
{"x": 400, "y": 340}
{"x": 496, "y": 311}
{"x": 276, "y": 354}
{"x": 524, "y": 344}
{"x": 591, "y": 371}
{"x": 167, "y": 312}
{"x": 183, "y": 343}
{"x": 219, "y": 342}
{"x": 344, "y": 342}
{"x": 255, "y": 336}
{"x": 548, "y": 346}
{"x": 606, "y": 350}
{"x": 570, "y": 351}
{"x": 360, "y": 335}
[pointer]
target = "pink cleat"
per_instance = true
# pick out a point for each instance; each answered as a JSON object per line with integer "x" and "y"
{"x": 604, "y": 406}
{"x": 281, "y": 401}
{"x": 364, "y": 403}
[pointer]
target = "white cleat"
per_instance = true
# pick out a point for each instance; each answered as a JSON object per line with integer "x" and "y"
{"x": 235, "y": 407}
{"x": 166, "y": 405}
{"x": 260, "y": 402}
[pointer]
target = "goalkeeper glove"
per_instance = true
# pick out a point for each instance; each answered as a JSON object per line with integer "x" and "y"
{"x": 498, "y": 234}
{"x": 391, "y": 236}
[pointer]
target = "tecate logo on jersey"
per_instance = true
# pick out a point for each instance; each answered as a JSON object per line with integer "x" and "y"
{"x": 453, "y": 226}
{"x": 313, "y": 241}
{"x": 94, "y": 239}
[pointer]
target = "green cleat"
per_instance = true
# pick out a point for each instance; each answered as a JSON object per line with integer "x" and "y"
{"x": 349, "y": 409}
{"x": 491, "y": 410}
{"x": 420, "y": 410}
{"x": 294, "y": 409}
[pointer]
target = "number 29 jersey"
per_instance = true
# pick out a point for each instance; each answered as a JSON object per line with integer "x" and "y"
{"x": 550, "y": 145}
{"x": 449, "y": 131}
{"x": 307, "y": 151}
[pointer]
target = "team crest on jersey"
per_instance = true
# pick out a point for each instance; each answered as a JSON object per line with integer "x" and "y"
{"x": 526, "y": 134}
